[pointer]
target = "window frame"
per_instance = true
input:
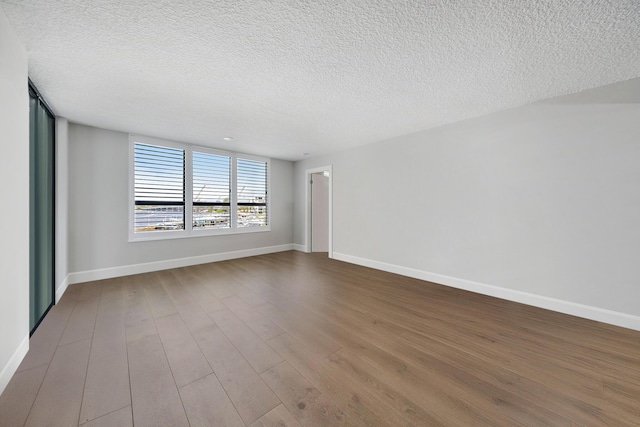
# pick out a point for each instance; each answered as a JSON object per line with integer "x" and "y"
{"x": 189, "y": 230}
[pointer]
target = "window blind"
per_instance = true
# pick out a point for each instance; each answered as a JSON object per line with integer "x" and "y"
{"x": 195, "y": 191}
{"x": 159, "y": 187}
{"x": 252, "y": 193}
{"x": 211, "y": 190}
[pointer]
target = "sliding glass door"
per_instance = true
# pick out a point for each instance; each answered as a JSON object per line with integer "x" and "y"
{"x": 42, "y": 204}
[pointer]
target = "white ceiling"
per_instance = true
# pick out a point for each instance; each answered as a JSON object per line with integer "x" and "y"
{"x": 302, "y": 76}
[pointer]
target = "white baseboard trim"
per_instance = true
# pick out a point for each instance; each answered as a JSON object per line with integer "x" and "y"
{"x": 301, "y": 248}
{"x": 60, "y": 290}
{"x": 127, "y": 270}
{"x": 567, "y": 307}
{"x": 12, "y": 366}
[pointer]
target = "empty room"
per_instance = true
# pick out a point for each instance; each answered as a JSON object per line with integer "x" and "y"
{"x": 320, "y": 213}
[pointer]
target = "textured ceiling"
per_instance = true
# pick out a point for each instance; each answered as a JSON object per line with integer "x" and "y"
{"x": 290, "y": 77}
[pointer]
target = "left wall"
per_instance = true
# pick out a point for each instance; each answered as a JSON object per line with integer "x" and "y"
{"x": 14, "y": 217}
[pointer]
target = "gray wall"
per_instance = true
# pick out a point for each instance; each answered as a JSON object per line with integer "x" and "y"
{"x": 99, "y": 203}
{"x": 543, "y": 199}
{"x": 14, "y": 216}
{"x": 62, "y": 205}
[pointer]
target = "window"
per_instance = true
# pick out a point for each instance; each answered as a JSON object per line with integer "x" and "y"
{"x": 186, "y": 191}
{"x": 159, "y": 188}
{"x": 211, "y": 190}
{"x": 252, "y": 193}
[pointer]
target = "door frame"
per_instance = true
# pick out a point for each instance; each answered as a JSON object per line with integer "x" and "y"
{"x": 307, "y": 228}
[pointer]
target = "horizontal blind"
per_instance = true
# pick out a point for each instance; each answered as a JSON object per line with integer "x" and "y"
{"x": 211, "y": 178}
{"x": 251, "y": 192}
{"x": 158, "y": 188}
{"x": 252, "y": 181}
{"x": 211, "y": 190}
{"x": 159, "y": 175}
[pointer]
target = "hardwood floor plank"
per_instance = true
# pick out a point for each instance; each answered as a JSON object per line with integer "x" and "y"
{"x": 207, "y": 404}
{"x": 277, "y": 417}
{"x": 187, "y": 305}
{"x": 119, "y": 418}
{"x": 213, "y": 279}
{"x": 18, "y": 397}
{"x": 262, "y": 326}
{"x": 60, "y": 396}
{"x": 623, "y": 398}
{"x": 154, "y": 395}
{"x": 44, "y": 342}
{"x": 107, "y": 383}
{"x": 305, "y": 402}
{"x": 82, "y": 320}
{"x": 249, "y": 297}
{"x": 302, "y": 329}
{"x": 159, "y": 302}
{"x": 248, "y": 392}
{"x": 194, "y": 317}
{"x": 136, "y": 305}
{"x": 176, "y": 284}
{"x": 393, "y": 400}
{"x": 251, "y": 346}
{"x": 185, "y": 357}
{"x": 200, "y": 289}
{"x": 354, "y": 398}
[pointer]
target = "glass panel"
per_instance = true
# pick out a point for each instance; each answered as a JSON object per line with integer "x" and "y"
{"x": 158, "y": 217}
{"x": 252, "y": 216}
{"x": 252, "y": 190}
{"x": 159, "y": 188}
{"x": 34, "y": 314}
{"x": 159, "y": 174}
{"x": 207, "y": 217}
{"x": 42, "y": 181}
{"x": 211, "y": 178}
{"x": 211, "y": 190}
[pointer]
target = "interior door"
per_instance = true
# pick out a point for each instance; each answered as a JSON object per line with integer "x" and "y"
{"x": 41, "y": 208}
{"x": 319, "y": 212}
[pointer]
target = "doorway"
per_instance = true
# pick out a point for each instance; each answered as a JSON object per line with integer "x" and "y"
{"x": 320, "y": 212}
{"x": 41, "y": 208}
{"x": 319, "y": 224}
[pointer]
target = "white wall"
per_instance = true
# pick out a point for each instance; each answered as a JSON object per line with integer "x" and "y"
{"x": 62, "y": 206}
{"x": 14, "y": 217}
{"x": 98, "y": 214}
{"x": 539, "y": 204}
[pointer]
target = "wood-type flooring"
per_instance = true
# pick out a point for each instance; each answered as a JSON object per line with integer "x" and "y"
{"x": 292, "y": 339}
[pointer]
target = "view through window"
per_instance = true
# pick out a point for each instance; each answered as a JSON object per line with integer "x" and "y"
{"x": 185, "y": 190}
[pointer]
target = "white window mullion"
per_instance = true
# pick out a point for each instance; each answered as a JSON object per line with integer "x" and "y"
{"x": 132, "y": 191}
{"x": 188, "y": 190}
